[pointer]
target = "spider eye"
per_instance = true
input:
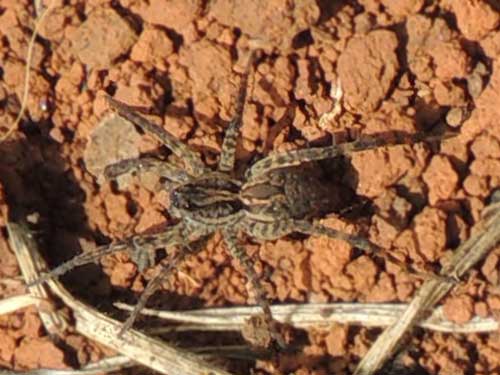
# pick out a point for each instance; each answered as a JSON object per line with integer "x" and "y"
{"x": 179, "y": 201}
{"x": 277, "y": 207}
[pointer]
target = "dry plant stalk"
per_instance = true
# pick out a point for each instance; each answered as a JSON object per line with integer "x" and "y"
{"x": 97, "y": 368}
{"x": 53, "y": 322}
{"x": 9, "y": 305}
{"x": 136, "y": 346}
{"x": 41, "y": 15}
{"x": 486, "y": 236}
{"x": 308, "y": 315}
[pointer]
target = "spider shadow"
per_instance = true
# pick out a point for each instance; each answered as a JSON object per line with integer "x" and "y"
{"x": 38, "y": 184}
{"x": 241, "y": 358}
{"x": 38, "y": 188}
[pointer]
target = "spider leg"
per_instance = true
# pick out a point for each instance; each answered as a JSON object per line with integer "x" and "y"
{"x": 80, "y": 260}
{"x": 239, "y": 253}
{"x": 191, "y": 158}
{"x": 142, "y": 257}
{"x": 159, "y": 167}
{"x": 151, "y": 287}
{"x": 297, "y": 157}
{"x": 165, "y": 272}
{"x": 279, "y": 228}
{"x": 226, "y": 163}
{"x": 355, "y": 241}
{"x": 146, "y": 243}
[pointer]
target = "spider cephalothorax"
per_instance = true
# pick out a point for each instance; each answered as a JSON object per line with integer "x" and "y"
{"x": 211, "y": 200}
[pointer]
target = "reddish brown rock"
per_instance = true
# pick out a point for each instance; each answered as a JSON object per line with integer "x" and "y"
{"x": 363, "y": 271}
{"x": 269, "y": 23}
{"x": 357, "y": 79}
{"x": 7, "y": 347}
{"x": 431, "y": 43}
{"x": 122, "y": 274}
{"x": 337, "y": 340}
{"x": 214, "y": 89}
{"x": 430, "y": 231}
{"x": 172, "y": 14}
{"x": 153, "y": 47}
{"x": 441, "y": 179}
{"x": 475, "y": 19}
{"x": 35, "y": 353}
{"x": 459, "y": 309}
{"x": 380, "y": 168}
{"x": 102, "y": 38}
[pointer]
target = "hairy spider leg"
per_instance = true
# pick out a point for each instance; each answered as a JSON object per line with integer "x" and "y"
{"x": 362, "y": 243}
{"x": 279, "y": 228}
{"x": 151, "y": 287}
{"x": 166, "y": 271}
{"x": 239, "y": 253}
{"x": 144, "y": 258}
{"x": 158, "y": 167}
{"x": 359, "y": 242}
{"x": 80, "y": 260}
{"x": 297, "y": 157}
{"x": 145, "y": 242}
{"x": 227, "y": 158}
{"x": 314, "y": 228}
{"x": 192, "y": 159}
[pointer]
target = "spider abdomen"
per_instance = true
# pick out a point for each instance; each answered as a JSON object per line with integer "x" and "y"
{"x": 292, "y": 193}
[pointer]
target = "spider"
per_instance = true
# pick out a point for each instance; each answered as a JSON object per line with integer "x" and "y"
{"x": 277, "y": 195}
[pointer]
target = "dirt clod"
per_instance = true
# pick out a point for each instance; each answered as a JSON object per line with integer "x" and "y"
{"x": 102, "y": 38}
{"x": 459, "y": 309}
{"x": 441, "y": 179}
{"x": 114, "y": 139}
{"x": 379, "y": 47}
{"x": 34, "y": 353}
{"x": 277, "y": 23}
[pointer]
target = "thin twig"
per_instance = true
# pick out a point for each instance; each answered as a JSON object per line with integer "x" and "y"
{"x": 309, "y": 315}
{"x": 12, "y": 281}
{"x": 103, "y": 366}
{"x": 11, "y": 304}
{"x": 486, "y": 236}
{"x": 231, "y": 351}
{"x": 53, "y": 322}
{"x": 27, "y": 74}
{"x": 89, "y": 322}
{"x": 120, "y": 362}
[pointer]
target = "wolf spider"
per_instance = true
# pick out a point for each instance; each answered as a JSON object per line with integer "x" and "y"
{"x": 276, "y": 196}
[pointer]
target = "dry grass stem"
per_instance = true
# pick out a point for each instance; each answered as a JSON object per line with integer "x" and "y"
{"x": 42, "y": 14}
{"x": 11, "y": 304}
{"x": 486, "y": 234}
{"x": 309, "y": 315}
{"x": 89, "y": 322}
{"x": 120, "y": 362}
{"x": 30, "y": 265}
{"x": 102, "y": 366}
